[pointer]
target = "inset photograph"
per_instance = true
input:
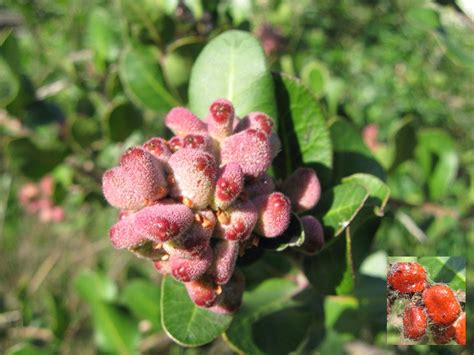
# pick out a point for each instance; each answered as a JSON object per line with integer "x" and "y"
{"x": 426, "y": 300}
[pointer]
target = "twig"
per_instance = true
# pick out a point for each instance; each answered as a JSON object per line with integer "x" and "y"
{"x": 31, "y": 332}
{"x": 411, "y": 226}
{"x": 43, "y": 271}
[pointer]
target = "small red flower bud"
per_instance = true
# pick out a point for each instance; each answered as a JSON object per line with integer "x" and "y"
{"x": 181, "y": 121}
{"x": 225, "y": 256}
{"x": 314, "y": 235}
{"x": 194, "y": 173}
{"x": 407, "y": 277}
{"x": 163, "y": 221}
{"x": 138, "y": 180}
{"x": 229, "y": 185}
{"x": 273, "y": 214}
{"x": 239, "y": 222}
{"x": 202, "y": 292}
{"x": 303, "y": 189}
{"x": 460, "y": 329}
{"x": 414, "y": 322}
{"x": 250, "y": 149}
{"x": 186, "y": 270}
{"x": 442, "y": 306}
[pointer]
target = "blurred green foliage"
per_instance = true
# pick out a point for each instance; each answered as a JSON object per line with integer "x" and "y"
{"x": 82, "y": 80}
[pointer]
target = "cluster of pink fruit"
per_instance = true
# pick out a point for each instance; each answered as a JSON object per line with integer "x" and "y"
{"x": 196, "y": 202}
{"x": 36, "y": 199}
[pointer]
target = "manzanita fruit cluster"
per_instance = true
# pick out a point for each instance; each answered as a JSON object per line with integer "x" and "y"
{"x": 196, "y": 202}
{"x": 431, "y": 308}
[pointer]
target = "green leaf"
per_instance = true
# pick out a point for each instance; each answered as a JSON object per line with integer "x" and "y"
{"x": 232, "y": 66}
{"x": 426, "y": 19}
{"x": 183, "y": 321}
{"x": 331, "y": 270}
{"x": 9, "y": 84}
{"x": 339, "y": 205}
{"x": 404, "y": 142}
{"x": 270, "y": 320}
{"x": 439, "y": 160}
{"x": 28, "y": 159}
{"x": 103, "y": 34}
{"x": 315, "y": 75}
{"x": 142, "y": 78}
{"x": 27, "y": 349}
{"x": 85, "y": 131}
{"x": 122, "y": 120}
{"x": 379, "y": 192}
{"x": 351, "y": 155}
{"x": 241, "y": 10}
{"x": 143, "y": 299}
{"x": 450, "y": 270}
{"x": 115, "y": 331}
{"x": 95, "y": 287}
{"x": 302, "y": 129}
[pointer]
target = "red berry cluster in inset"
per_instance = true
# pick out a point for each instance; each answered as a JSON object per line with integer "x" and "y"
{"x": 431, "y": 309}
{"x": 196, "y": 202}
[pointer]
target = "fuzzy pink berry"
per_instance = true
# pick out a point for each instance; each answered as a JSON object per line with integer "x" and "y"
{"x": 182, "y": 121}
{"x": 230, "y": 300}
{"x": 314, "y": 235}
{"x": 202, "y": 292}
{"x": 136, "y": 182}
{"x": 262, "y": 185}
{"x": 220, "y": 119}
{"x": 256, "y": 120}
{"x": 186, "y": 270}
{"x": 225, "y": 256}
{"x": 158, "y": 147}
{"x": 303, "y": 189}
{"x": 195, "y": 241}
{"x": 194, "y": 174}
{"x": 250, "y": 149}
{"x": 229, "y": 185}
{"x": 163, "y": 221}
{"x": 273, "y": 214}
{"x": 124, "y": 233}
{"x": 237, "y": 222}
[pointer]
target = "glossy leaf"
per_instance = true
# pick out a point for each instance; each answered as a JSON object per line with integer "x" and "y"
{"x": 122, "y": 120}
{"x": 379, "y": 192}
{"x": 269, "y": 306}
{"x": 94, "y": 287}
{"x": 339, "y": 205}
{"x": 27, "y": 158}
{"x": 183, "y": 321}
{"x": 302, "y": 129}
{"x": 142, "y": 78}
{"x": 9, "y": 85}
{"x": 143, "y": 299}
{"x": 115, "y": 331}
{"x": 103, "y": 34}
{"x": 85, "y": 131}
{"x": 439, "y": 160}
{"x": 424, "y": 18}
{"x": 351, "y": 155}
{"x": 331, "y": 270}
{"x": 450, "y": 270}
{"x": 232, "y": 66}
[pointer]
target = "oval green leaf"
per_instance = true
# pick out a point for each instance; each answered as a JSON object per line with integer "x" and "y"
{"x": 446, "y": 269}
{"x": 270, "y": 320}
{"x": 142, "y": 78}
{"x": 339, "y": 206}
{"x": 183, "y": 321}
{"x": 232, "y": 66}
{"x": 302, "y": 129}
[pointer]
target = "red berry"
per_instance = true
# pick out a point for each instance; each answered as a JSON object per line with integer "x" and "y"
{"x": 442, "y": 335}
{"x": 442, "y": 306}
{"x": 407, "y": 277}
{"x": 202, "y": 292}
{"x": 274, "y": 214}
{"x": 414, "y": 322}
{"x": 460, "y": 329}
